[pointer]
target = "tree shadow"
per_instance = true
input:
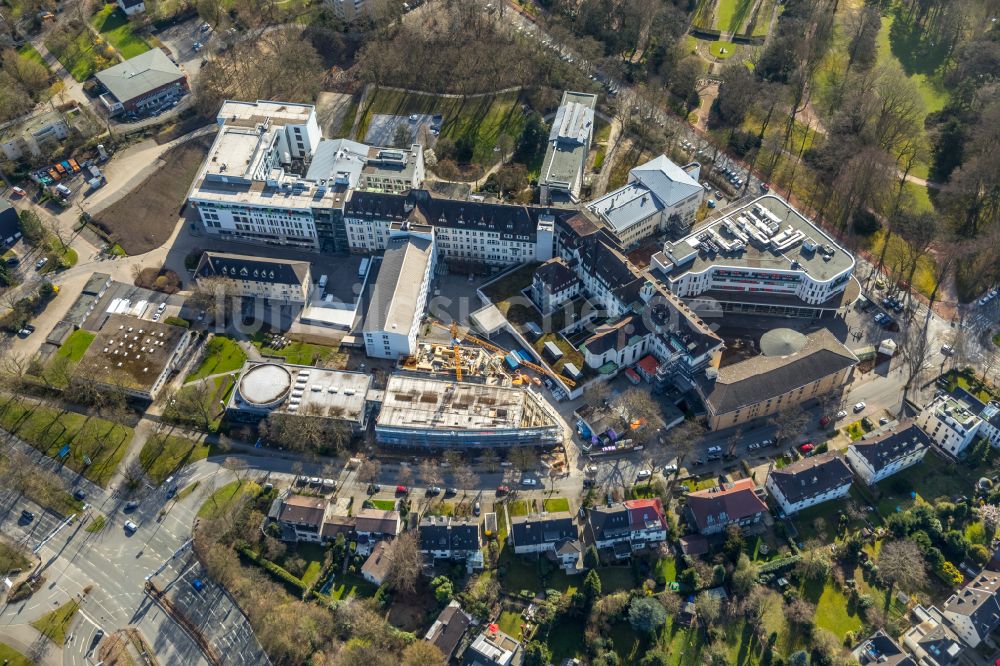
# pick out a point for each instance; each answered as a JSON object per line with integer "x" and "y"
{"x": 915, "y": 50}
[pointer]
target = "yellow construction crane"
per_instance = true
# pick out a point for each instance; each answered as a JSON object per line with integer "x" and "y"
{"x": 468, "y": 337}
{"x": 458, "y": 362}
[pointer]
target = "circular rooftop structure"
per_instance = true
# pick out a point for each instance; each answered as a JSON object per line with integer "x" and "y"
{"x": 781, "y": 342}
{"x": 265, "y": 385}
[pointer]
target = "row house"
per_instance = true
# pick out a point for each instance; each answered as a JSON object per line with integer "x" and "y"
{"x": 457, "y": 539}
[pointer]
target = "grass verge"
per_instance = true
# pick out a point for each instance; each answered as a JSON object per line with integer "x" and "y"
{"x": 162, "y": 455}
{"x": 221, "y": 355}
{"x": 55, "y": 624}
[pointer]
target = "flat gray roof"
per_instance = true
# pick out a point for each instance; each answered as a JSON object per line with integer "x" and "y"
{"x": 569, "y": 140}
{"x": 139, "y": 75}
{"x": 767, "y": 233}
{"x": 302, "y": 389}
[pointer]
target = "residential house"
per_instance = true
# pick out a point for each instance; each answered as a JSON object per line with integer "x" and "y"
{"x": 809, "y": 482}
{"x": 711, "y": 510}
{"x": 553, "y": 284}
{"x": 444, "y": 537}
{"x": 930, "y": 641}
{"x": 876, "y": 458}
{"x": 627, "y": 527}
{"x": 374, "y": 525}
{"x": 286, "y": 281}
{"x": 448, "y": 629}
{"x": 376, "y": 567}
{"x": 132, "y": 7}
{"x": 552, "y": 534}
{"x": 952, "y": 421}
{"x": 144, "y": 82}
{"x": 973, "y": 612}
{"x": 621, "y": 343}
{"x": 990, "y": 429}
{"x": 302, "y": 516}
{"x": 880, "y": 650}
{"x": 10, "y": 224}
{"x": 491, "y": 648}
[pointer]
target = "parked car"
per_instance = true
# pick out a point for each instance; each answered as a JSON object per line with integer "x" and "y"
{"x": 450, "y": 491}
{"x": 402, "y": 490}
{"x": 589, "y": 483}
{"x": 477, "y": 509}
{"x": 883, "y": 420}
{"x": 79, "y": 494}
{"x": 41, "y": 263}
{"x": 644, "y": 474}
{"x": 859, "y": 407}
{"x": 503, "y": 490}
{"x": 27, "y": 516}
{"x": 807, "y": 447}
{"x": 754, "y": 446}
{"x": 529, "y": 482}
{"x": 433, "y": 490}
{"x": 947, "y": 350}
{"x": 374, "y": 488}
{"x": 18, "y": 191}
{"x": 131, "y": 505}
{"x": 670, "y": 469}
{"x": 130, "y": 527}
{"x": 841, "y": 414}
{"x": 825, "y": 421}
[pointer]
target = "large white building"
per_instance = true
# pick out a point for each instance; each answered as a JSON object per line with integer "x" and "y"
{"x": 569, "y": 143}
{"x": 398, "y": 295}
{"x": 258, "y": 277}
{"x": 270, "y": 178}
{"x": 763, "y": 258}
{"x": 464, "y": 231}
{"x": 886, "y": 453}
{"x": 951, "y": 422}
{"x": 659, "y": 195}
{"x": 809, "y": 482}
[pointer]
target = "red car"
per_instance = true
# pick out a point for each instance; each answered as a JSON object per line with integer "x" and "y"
{"x": 502, "y": 490}
{"x": 807, "y": 447}
{"x": 825, "y": 421}
{"x": 401, "y": 490}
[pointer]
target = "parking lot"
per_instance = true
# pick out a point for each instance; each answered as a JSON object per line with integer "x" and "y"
{"x": 422, "y": 128}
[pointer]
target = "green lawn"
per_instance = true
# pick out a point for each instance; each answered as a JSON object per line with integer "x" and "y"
{"x": 833, "y": 612}
{"x": 162, "y": 455}
{"x": 510, "y": 623}
{"x": 78, "y": 57}
{"x": 482, "y": 119}
{"x": 223, "y": 499}
{"x": 566, "y": 640}
{"x": 929, "y": 479}
{"x": 29, "y": 52}
{"x": 667, "y": 568}
{"x": 915, "y": 63}
{"x": 731, "y": 14}
{"x": 518, "y": 508}
{"x": 615, "y": 579}
{"x": 113, "y": 25}
{"x": 97, "y": 524}
{"x": 299, "y": 353}
{"x": 76, "y": 345}
{"x": 555, "y": 504}
{"x": 49, "y": 430}
{"x": 55, "y": 624}
{"x": 721, "y": 50}
{"x": 384, "y": 505}
{"x": 350, "y": 585}
{"x": 221, "y": 355}
{"x": 12, "y": 657}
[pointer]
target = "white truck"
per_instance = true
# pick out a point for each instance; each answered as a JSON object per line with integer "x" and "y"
{"x": 322, "y": 282}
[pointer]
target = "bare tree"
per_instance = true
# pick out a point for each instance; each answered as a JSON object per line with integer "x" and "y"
{"x": 430, "y": 472}
{"x": 490, "y": 459}
{"x": 901, "y": 563}
{"x": 405, "y": 475}
{"x": 523, "y": 458}
{"x": 466, "y": 478}
{"x": 789, "y": 422}
{"x": 914, "y": 348}
{"x": 640, "y": 413}
{"x": 368, "y": 470}
{"x": 405, "y": 563}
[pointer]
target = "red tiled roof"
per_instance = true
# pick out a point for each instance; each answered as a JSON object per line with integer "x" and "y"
{"x": 648, "y": 364}
{"x": 731, "y": 502}
{"x": 642, "y": 512}
{"x": 633, "y": 375}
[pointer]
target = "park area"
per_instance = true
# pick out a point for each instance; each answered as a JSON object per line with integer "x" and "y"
{"x": 749, "y": 18}
{"x": 222, "y": 355}
{"x": 297, "y": 353}
{"x": 163, "y": 454}
{"x": 72, "y": 438}
{"x": 481, "y": 119}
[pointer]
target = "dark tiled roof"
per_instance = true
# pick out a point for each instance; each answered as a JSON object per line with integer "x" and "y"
{"x": 442, "y": 533}
{"x": 556, "y": 274}
{"x": 537, "y": 529}
{"x": 879, "y": 649}
{"x": 978, "y": 601}
{"x": 616, "y": 336}
{"x": 811, "y": 476}
{"x": 731, "y": 502}
{"x": 302, "y": 510}
{"x": 377, "y": 521}
{"x": 762, "y": 377}
{"x": 516, "y": 220}
{"x": 889, "y": 447}
{"x": 448, "y": 629}
{"x": 601, "y": 259}
{"x": 608, "y": 522}
{"x": 10, "y": 224}
{"x": 255, "y": 269}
